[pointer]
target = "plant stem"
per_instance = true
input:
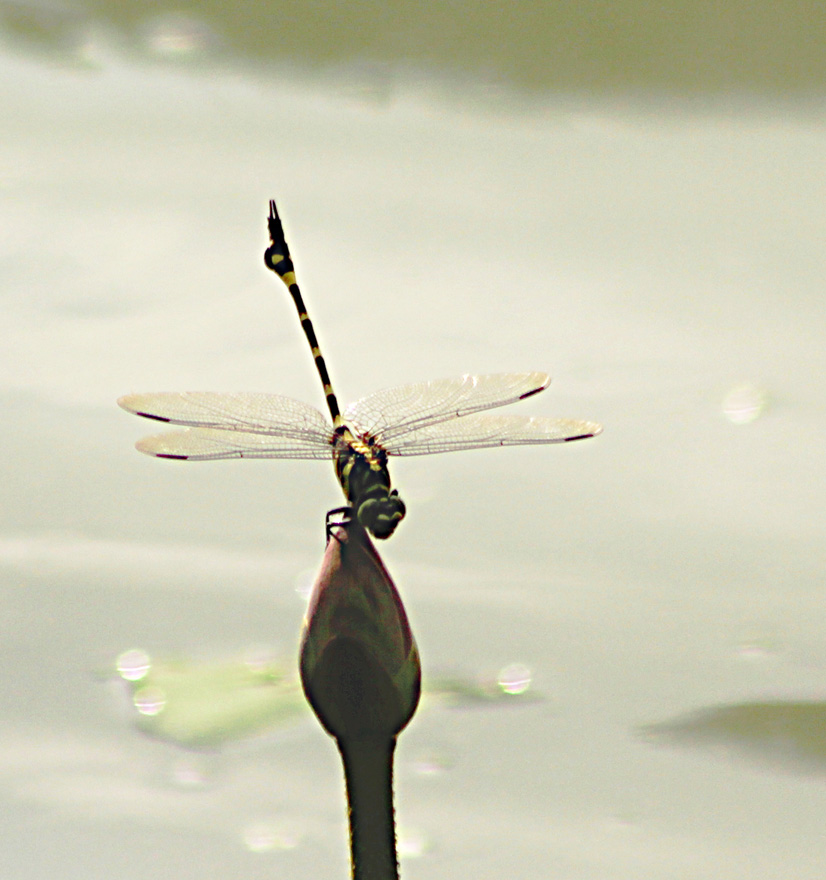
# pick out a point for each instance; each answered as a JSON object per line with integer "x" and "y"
{"x": 368, "y": 770}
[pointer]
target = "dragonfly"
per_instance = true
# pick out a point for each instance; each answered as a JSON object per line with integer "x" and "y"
{"x": 423, "y": 418}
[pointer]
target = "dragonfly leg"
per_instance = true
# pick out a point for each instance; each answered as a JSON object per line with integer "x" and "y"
{"x": 338, "y": 516}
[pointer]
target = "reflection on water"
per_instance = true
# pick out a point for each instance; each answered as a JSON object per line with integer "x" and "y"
{"x": 205, "y": 704}
{"x": 582, "y": 47}
{"x": 777, "y": 733}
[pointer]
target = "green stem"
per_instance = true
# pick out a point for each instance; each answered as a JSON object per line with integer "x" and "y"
{"x": 368, "y": 770}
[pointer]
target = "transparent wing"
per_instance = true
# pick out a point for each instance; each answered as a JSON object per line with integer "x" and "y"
{"x": 484, "y": 431}
{"x": 268, "y": 414}
{"x": 391, "y": 414}
{"x": 209, "y": 444}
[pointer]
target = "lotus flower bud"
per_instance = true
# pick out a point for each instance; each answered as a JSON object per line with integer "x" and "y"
{"x": 359, "y": 663}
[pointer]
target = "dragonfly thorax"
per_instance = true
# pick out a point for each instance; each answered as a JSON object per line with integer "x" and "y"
{"x": 362, "y": 471}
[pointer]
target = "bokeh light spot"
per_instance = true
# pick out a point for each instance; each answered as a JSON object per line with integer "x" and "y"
{"x": 133, "y": 665}
{"x": 412, "y": 843}
{"x": 514, "y": 679}
{"x": 178, "y": 36}
{"x": 261, "y": 837}
{"x": 149, "y": 700}
{"x": 744, "y": 403}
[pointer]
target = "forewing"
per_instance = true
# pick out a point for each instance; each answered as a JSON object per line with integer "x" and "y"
{"x": 268, "y": 414}
{"x": 393, "y": 413}
{"x": 209, "y": 444}
{"x": 485, "y": 431}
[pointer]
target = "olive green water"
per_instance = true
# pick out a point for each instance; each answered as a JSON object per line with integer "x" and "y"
{"x": 630, "y": 199}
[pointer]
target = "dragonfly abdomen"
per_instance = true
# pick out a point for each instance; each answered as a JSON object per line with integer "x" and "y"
{"x": 277, "y": 258}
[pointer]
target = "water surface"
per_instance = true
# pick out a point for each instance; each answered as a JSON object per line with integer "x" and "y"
{"x": 661, "y": 257}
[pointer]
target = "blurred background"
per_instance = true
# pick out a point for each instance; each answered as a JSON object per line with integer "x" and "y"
{"x": 622, "y": 638}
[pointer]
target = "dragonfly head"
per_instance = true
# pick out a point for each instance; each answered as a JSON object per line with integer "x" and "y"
{"x": 381, "y": 515}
